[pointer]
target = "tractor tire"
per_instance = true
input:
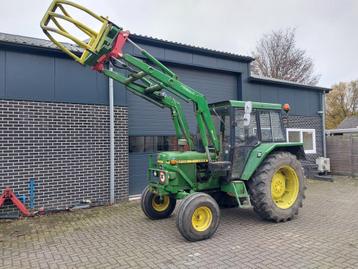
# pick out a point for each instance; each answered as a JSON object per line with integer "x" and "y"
{"x": 198, "y": 217}
{"x": 155, "y": 207}
{"x": 277, "y": 187}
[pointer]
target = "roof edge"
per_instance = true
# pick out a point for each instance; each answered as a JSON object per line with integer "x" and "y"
{"x": 186, "y": 47}
{"x": 266, "y": 80}
{"x": 34, "y": 42}
{"x": 241, "y": 104}
{"x": 347, "y": 130}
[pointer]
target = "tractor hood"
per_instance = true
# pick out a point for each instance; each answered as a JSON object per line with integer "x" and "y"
{"x": 182, "y": 157}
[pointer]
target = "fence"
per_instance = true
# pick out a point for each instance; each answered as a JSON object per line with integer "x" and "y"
{"x": 342, "y": 150}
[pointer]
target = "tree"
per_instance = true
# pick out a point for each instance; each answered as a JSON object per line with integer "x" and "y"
{"x": 276, "y": 56}
{"x": 341, "y": 102}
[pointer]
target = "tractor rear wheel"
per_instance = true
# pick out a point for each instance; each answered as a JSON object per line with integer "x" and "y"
{"x": 198, "y": 217}
{"x": 155, "y": 206}
{"x": 277, "y": 187}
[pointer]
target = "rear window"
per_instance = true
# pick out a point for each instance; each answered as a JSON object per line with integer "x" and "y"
{"x": 271, "y": 127}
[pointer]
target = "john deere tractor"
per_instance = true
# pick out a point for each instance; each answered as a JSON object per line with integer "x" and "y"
{"x": 240, "y": 157}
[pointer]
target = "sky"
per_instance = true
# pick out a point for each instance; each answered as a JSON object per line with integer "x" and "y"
{"x": 327, "y": 30}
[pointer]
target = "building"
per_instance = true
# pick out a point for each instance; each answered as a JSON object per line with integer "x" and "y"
{"x": 54, "y": 119}
{"x": 349, "y": 122}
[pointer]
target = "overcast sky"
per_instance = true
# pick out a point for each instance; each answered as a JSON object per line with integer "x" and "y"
{"x": 327, "y": 30}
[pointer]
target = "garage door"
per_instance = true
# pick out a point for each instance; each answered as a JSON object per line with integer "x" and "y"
{"x": 151, "y": 128}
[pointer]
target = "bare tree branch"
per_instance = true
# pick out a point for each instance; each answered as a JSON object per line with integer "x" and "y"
{"x": 277, "y": 57}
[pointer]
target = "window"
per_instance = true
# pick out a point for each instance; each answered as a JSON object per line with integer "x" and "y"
{"x": 136, "y": 144}
{"x": 307, "y": 136}
{"x": 150, "y": 144}
{"x": 266, "y": 132}
{"x": 245, "y": 134}
{"x": 271, "y": 128}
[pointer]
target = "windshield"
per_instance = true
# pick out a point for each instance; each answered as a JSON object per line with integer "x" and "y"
{"x": 221, "y": 118}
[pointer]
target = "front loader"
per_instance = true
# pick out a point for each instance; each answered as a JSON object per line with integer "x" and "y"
{"x": 240, "y": 159}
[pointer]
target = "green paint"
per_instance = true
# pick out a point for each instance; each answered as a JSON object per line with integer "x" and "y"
{"x": 237, "y": 188}
{"x": 105, "y": 44}
{"x": 241, "y": 104}
{"x": 258, "y": 155}
{"x": 182, "y": 156}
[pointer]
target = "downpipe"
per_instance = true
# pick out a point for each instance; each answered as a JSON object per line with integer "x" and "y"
{"x": 111, "y": 137}
{"x": 323, "y": 117}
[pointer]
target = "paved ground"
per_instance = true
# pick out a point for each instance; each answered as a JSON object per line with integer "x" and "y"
{"x": 325, "y": 235}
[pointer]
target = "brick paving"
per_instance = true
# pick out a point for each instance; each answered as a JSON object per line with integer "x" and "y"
{"x": 325, "y": 235}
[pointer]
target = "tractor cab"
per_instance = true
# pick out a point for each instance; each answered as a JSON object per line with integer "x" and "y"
{"x": 242, "y": 126}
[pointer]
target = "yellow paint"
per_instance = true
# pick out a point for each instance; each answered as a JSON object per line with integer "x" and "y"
{"x": 160, "y": 205}
{"x": 202, "y": 218}
{"x": 95, "y": 37}
{"x": 183, "y": 161}
{"x": 285, "y": 187}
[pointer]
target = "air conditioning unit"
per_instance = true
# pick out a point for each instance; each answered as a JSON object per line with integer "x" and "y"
{"x": 324, "y": 164}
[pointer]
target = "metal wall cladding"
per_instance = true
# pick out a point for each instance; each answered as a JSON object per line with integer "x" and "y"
{"x": 302, "y": 101}
{"x": 43, "y": 77}
{"x": 148, "y": 119}
{"x": 40, "y": 76}
{"x": 2, "y": 74}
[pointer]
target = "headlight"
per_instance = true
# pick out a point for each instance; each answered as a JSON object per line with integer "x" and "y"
{"x": 162, "y": 177}
{"x": 155, "y": 173}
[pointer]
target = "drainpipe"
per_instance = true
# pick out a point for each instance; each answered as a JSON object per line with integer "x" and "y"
{"x": 111, "y": 138}
{"x": 324, "y": 123}
{"x": 323, "y": 114}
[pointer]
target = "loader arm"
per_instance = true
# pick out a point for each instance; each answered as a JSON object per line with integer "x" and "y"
{"x": 145, "y": 76}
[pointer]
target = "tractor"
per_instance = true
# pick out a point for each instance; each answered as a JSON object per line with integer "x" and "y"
{"x": 239, "y": 158}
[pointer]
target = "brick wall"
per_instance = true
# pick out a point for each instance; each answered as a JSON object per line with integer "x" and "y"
{"x": 65, "y": 147}
{"x": 306, "y": 122}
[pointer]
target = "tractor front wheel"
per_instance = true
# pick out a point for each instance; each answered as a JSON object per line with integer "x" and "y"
{"x": 277, "y": 187}
{"x": 198, "y": 217}
{"x": 155, "y": 206}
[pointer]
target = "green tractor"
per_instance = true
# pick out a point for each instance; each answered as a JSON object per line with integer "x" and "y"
{"x": 240, "y": 157}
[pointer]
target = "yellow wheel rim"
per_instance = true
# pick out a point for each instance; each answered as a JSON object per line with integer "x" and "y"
{"x": 160, "y": 204}
{"x": 284, "y": 187}
{"x": 202, "y": 218}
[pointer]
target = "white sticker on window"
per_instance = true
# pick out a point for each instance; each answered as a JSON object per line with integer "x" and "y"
{"x": 248, "y": 107}
{"x": 247, "y": 119}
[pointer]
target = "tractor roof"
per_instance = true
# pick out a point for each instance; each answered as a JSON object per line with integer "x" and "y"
{"x": 241, "y": 104}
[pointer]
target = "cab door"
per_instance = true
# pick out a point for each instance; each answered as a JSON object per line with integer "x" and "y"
{"x": 245, "y": 139}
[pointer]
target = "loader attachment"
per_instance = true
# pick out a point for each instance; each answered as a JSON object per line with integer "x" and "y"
{"x": 57, "y": 16}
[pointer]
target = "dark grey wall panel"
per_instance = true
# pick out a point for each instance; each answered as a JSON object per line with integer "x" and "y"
{"x": 231, "y": 65}
{"x": 39, "y": 77}
{"x": 204, "y": 60}
{"x": 2, "y": 73}
{"x": 178, "y": 56}
{"x": 74, "y": 82}
{"x": 138, "y": 165}
{"x": 147, "y": 119}
{"x": 302, "y": 102}
{"x": 187, "y": 58}
{"x": 120, "y": 93}
{"x": 29, "y": 76}
{"x": 102, "y": 88}
{"x": 155, "y": 51}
